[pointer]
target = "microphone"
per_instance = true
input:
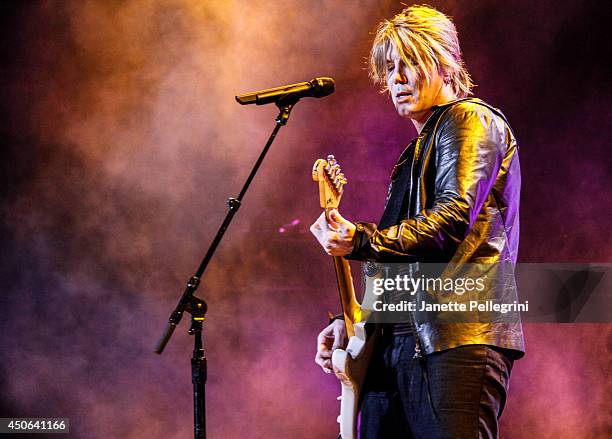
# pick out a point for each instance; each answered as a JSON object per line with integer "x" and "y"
{"x": 317, "y": 88}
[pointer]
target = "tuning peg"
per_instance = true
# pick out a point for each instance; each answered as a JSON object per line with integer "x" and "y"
{"x": 339, "y": 398}
{"x": 331, "y": 159}
{"x": 337, "y": 182}
{"x": 334, "y": 170}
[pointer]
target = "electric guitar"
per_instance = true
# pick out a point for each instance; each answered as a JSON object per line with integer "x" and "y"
{"x": 349, "y": 364}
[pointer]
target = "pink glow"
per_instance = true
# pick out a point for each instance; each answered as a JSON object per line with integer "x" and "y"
{"x": 128, "y": 142}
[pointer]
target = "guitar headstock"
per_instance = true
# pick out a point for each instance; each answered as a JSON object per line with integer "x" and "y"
{"x": 331, "y": 182}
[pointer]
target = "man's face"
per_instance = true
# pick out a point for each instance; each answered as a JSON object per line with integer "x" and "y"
{"x": 412, "y": 96}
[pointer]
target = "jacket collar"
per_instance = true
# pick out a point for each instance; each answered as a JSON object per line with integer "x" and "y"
{"x": 437, "y": 110}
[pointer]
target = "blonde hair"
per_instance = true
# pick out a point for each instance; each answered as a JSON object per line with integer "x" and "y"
{"x": 426, "y": 39}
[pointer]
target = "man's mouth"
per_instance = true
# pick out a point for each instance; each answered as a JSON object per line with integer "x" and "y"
{"x": 403, "y": 95}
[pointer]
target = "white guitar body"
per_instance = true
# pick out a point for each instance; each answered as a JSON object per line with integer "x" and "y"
{"x": 350, "y": 366}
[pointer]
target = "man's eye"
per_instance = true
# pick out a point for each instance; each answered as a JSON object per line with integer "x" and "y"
{"x": 390, "y": 67}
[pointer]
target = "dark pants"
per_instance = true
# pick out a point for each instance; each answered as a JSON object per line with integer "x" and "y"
{"x": 458, "y": 393}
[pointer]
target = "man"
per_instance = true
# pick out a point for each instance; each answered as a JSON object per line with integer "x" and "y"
{"x": 454, "y": 199}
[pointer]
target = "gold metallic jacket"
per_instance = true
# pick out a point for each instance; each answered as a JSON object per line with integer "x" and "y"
{"x": 454, "y": 199}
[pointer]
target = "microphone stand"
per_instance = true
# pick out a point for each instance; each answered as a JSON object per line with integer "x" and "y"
{"x": 198, "y": 307}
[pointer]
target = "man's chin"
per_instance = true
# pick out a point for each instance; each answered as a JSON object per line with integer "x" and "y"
{"x": 404, "y": 112}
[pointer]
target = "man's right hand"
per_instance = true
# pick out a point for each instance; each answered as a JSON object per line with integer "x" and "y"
{"x": 330, "y": 339}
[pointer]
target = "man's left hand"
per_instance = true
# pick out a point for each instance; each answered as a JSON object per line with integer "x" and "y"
{"x": 335, "y": 235}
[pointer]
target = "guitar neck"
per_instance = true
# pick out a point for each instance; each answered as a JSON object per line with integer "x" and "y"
{"x": 331, "y": 186}
{"x": 350, "y": 307}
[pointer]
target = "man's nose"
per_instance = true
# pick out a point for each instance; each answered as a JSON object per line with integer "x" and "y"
{"x": 400, "y": 77}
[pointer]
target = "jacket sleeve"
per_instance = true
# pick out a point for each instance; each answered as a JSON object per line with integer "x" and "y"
{"x": 470, "y": 145}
